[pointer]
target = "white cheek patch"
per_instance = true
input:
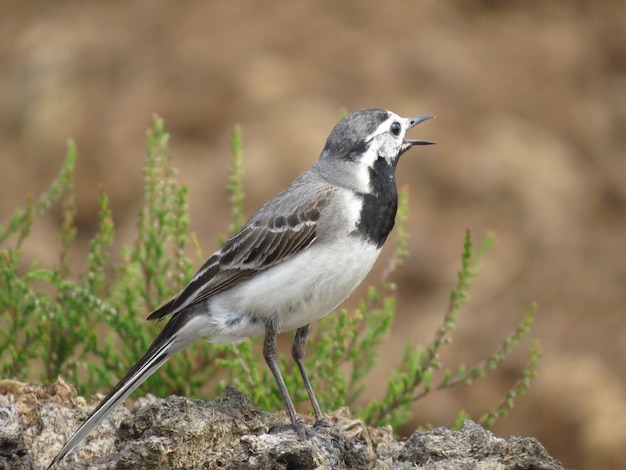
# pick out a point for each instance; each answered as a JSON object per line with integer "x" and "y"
{"x": 387, "y": 144}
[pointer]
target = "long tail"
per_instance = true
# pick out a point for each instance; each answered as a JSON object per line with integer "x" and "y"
{"x": 164, "y": 346}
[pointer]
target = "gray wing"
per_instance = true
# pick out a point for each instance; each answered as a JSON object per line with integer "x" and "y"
{"x": 283, "y": 227}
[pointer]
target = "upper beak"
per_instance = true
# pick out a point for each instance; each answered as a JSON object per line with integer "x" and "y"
{"x": 414, "y": 121}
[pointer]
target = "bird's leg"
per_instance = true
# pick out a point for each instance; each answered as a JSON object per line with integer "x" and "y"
{"x": 269, "y": 353}
{"x": 297, "y": 352}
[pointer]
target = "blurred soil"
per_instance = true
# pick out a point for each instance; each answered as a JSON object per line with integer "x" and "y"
{"x": 530, "y": 99}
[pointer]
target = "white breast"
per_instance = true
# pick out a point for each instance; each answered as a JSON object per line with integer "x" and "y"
{"x": 296, "y": 292}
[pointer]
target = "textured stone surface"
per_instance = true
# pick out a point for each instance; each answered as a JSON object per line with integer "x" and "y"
{"x": 230, "y": 432}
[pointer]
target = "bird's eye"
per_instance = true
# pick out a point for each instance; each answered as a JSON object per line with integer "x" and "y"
{"x": 396, "y": 128}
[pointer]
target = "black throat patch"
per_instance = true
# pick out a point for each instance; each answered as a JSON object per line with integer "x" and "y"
{"x": 378, "y": 213}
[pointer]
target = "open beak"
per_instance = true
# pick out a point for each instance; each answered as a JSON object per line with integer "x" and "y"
{"x": 414, "y": 121}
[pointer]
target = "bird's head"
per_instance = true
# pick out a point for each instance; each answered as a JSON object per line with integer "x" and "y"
{"x": 367, "y": 138}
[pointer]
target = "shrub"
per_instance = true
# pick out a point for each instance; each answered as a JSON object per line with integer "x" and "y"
{"x": 89, "y": 326}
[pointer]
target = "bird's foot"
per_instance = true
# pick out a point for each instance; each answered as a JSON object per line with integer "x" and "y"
{"x": 303, "y": 431}
{"x": 322, "y": 423}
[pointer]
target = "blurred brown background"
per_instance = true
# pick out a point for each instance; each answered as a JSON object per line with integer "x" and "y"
{"x": 531, "y": 106}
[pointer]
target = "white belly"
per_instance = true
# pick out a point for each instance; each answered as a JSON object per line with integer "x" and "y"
{"x": 305, "y": 288}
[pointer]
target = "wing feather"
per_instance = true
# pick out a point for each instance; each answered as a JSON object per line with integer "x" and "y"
{"x": 264, "y": 241}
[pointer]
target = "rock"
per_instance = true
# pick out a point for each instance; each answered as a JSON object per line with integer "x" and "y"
{"x": 231, "y": 432}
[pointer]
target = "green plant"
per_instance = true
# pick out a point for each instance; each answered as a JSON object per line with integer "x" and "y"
{"x": 413, "y": 379}
{"x": 89, "y": 326}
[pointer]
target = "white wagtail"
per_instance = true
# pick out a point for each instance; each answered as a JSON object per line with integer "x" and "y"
{"x": 295, "y": 260}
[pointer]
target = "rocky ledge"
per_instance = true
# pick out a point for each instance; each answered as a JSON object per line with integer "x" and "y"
{"x": 231, "y": 432}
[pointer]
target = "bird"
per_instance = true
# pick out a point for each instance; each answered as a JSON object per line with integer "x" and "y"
{"x": 295, "y": 260}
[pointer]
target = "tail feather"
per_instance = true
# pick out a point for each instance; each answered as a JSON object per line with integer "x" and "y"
{"x": 164, "y": 346}
{"x": 163, "y": 310}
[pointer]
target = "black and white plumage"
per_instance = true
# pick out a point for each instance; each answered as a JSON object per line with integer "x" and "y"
{"x": 295, "y": 260}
